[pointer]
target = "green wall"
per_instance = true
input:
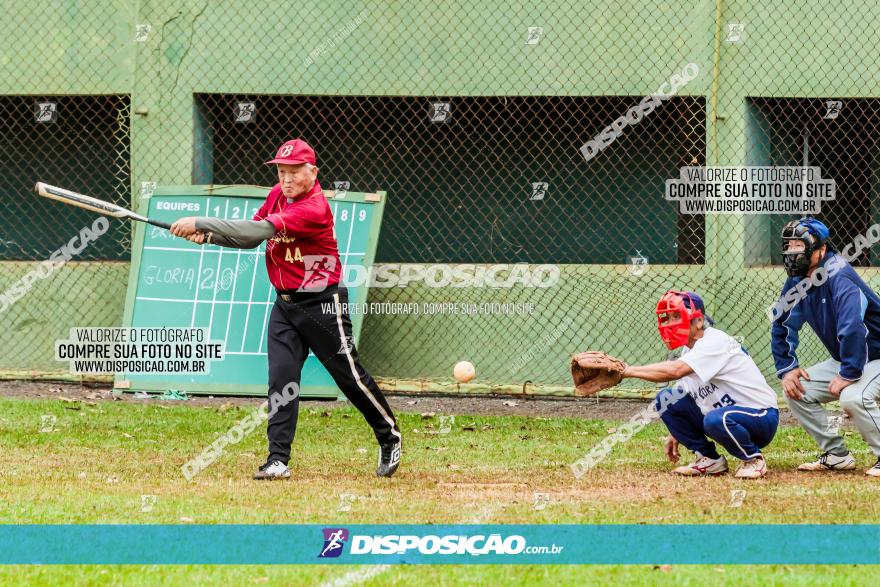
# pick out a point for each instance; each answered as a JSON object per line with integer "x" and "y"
{"x": 435, "y": 49}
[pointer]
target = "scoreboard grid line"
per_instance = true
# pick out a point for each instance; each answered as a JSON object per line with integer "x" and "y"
{"x": 265, "y": 315}
{"x": 247, "y": 314}
{"x": 350, "y": 233}
{"x": 234, "y": 283}
{"x": 217, "y": 277}
{"x": 217, "y": 249}
{"x": 199, "y": 277}
{"x": 189, "y": 301}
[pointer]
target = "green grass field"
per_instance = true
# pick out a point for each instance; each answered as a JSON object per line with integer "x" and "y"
{"x": 99, "y": 461}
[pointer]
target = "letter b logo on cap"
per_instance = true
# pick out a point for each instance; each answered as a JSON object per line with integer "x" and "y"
{"x": 285, "y": 150}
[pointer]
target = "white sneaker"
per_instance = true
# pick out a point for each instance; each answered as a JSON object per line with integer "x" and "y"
{"x": 753, "y": 469}
{"x": 830, "y": 462}
{"x": 273, "y": 470}
{"x": 875, "y": 470}
{"x": 703, "y": 466}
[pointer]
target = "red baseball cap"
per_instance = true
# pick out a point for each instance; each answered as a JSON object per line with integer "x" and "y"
{"x": 294, "y": 152}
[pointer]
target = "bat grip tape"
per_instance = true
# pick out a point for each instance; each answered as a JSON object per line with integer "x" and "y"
{"x": 159, "y": 223}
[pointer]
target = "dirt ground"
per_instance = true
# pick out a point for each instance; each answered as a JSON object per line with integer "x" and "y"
{"x": 607, "y": 409}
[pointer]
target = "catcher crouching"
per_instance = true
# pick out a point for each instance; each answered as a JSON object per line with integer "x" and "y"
{"x": 720, "y": 394}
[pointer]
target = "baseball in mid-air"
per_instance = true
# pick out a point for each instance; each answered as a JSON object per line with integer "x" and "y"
{"x": 464, "y": 371}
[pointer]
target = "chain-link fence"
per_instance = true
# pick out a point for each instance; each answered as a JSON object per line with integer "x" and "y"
{"x": 463, "y": 189}
{"x": 502, "y": 134}
{"x": 81, "y": 142}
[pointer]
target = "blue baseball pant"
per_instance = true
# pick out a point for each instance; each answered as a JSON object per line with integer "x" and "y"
{"x": 741, "y": 431}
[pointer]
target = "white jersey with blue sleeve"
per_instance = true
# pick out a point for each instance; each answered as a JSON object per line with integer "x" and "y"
{"x": 724, "y": 375}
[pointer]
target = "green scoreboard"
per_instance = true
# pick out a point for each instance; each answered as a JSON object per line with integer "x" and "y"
{"x": 176, "y": 283}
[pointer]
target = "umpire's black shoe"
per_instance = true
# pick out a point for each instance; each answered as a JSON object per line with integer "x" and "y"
{"x": 273, "y": 470}
{"x": 389, "y": 459}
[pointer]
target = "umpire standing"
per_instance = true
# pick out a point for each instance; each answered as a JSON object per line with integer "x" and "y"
{"x": 302, "y": 259}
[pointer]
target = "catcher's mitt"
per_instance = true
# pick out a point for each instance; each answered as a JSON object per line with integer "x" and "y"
{"x": 594, "y": 371}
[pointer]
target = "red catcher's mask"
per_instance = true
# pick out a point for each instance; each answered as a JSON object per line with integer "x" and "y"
{"x": 674, "y": 318}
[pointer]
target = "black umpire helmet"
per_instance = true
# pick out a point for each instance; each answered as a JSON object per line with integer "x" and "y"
{"x": 813, "y": 233}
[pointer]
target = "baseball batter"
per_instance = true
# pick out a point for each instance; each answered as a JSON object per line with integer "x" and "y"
{"x": 720, "y": 394}
{"x": 302, "y": 260}
{"x": 845, "y": 314}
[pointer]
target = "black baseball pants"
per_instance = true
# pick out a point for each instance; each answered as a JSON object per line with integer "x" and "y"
{"x": 318, "y": 321}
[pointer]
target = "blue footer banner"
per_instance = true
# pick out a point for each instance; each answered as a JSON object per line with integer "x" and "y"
{"x": 430, "y": 544}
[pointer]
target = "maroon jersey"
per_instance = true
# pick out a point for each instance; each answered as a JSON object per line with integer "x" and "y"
{"x": 303, "y": 254}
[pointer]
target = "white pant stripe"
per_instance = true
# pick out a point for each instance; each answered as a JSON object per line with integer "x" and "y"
{"x": 360, "y": 383}
{"x": 724, "y": 421}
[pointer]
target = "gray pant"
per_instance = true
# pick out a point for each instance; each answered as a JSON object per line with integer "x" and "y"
{"x": 859, "y": 400}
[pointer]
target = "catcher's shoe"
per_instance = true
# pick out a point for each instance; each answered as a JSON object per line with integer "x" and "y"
{"x": 875, "y": 470}
{"x": 271, "y": 471}
{"x": 753, "y": 469}
{"x": 389, "y": 459}
{"x": 703, "y": 466}
{"x": 830, "y": 462}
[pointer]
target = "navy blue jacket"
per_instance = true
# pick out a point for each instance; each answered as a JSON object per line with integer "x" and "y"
{"x": 843, "y": 311}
